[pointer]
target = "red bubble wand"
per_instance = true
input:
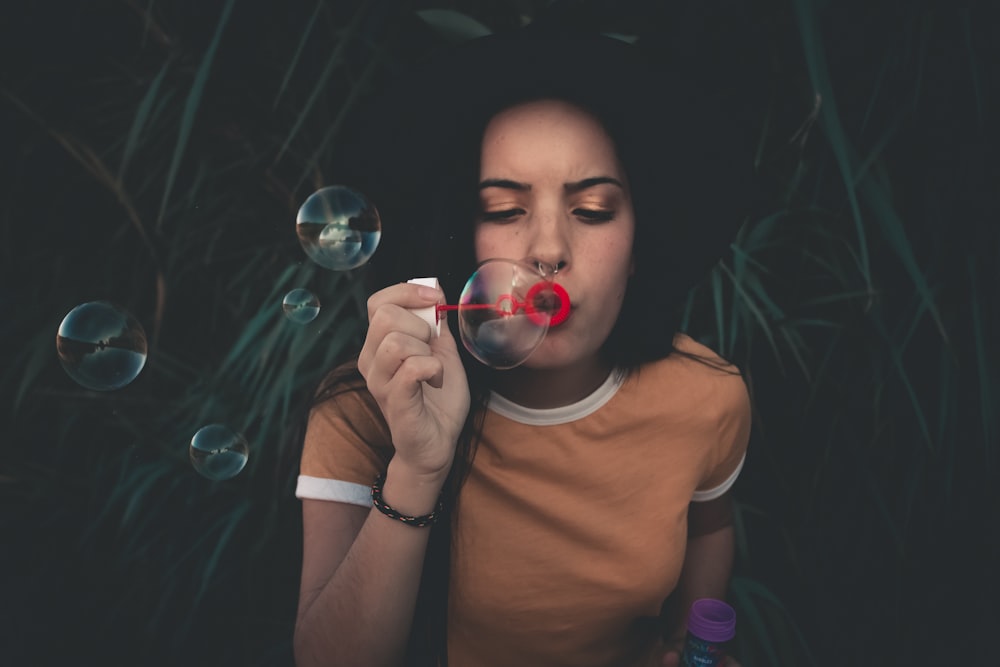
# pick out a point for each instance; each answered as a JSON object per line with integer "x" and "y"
{"x": 545, "y": 302}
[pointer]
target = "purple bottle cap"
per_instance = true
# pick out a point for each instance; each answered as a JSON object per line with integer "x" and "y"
{"x": 712, "y": 620}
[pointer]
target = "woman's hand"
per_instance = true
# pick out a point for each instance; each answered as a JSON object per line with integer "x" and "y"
{"x": 672, "y": 656}
{"x": 416, "y": 377}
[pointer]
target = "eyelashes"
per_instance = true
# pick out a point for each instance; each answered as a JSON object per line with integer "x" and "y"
{"x": 587, "y": 215}
{"x": 594, "y": 215}
{"x": 505, "y": 215}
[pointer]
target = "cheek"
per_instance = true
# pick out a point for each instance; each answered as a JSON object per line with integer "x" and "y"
{"x": 492, "y": 241}
{"x": 622, "y": 257}
{"x": 628, "y": 253}
{"x": 480, "y": 244}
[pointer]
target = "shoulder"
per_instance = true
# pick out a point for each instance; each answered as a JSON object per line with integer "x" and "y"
{"x": 691, "y": 361}
{"x": 691, "y": 350}
{"x": 700, "y": 377}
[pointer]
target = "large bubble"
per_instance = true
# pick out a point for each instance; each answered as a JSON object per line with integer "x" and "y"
{"x": 101, "y": 345}
{"x": 338, "y": 228}
{"x": 300, "y": 306}
{"x": 218, "y": 452}
{"x": 504, "y": 312}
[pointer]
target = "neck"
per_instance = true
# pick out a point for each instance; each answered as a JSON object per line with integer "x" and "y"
{"x": 542, "y": 388}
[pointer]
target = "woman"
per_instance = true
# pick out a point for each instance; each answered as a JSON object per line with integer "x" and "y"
{"x": 547, "y": 514}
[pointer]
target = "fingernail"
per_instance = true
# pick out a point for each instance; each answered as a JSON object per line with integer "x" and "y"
{"x": 429, "y": 293}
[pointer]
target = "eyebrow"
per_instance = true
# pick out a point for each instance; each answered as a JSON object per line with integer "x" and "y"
{"x": 571, "y": 188}
{"x": 578, "y": 186}
{"x": 504, "y": 183}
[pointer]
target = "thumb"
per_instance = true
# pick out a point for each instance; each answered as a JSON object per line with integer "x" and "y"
{"x": 443, "y": 339}
{"x": 671, "y": 658}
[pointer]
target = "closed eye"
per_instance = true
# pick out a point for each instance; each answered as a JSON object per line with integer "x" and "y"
{"x": 501, "y": 216}
{"x": 592, "y": 215}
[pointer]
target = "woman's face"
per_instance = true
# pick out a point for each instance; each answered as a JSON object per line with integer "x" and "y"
{"x": 552, "y": 190}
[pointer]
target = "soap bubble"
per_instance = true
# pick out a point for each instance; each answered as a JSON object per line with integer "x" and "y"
{"x": 504, "y": 312}
{"x": 338, "y": 228}
{"x": 300, "y": 306}
{"x": 101, "y": 346}
{"x": 218, "y": 452}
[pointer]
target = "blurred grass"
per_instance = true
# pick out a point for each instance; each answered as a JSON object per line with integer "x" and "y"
{"x": 159, "y": 153}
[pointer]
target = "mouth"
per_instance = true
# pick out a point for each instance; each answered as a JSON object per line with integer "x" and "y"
{"x": 561, "y": 306}
{"x": 554, "y": 302}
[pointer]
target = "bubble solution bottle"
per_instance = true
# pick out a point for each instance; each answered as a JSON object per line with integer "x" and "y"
{"x": 711, "y": 624}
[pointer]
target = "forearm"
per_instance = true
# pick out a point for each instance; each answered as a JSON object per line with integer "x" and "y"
{"x": 708, "y": 565}
{"x": 363, "y": 613}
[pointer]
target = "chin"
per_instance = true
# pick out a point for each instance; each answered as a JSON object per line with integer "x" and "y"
{"x": 554, "y": 354}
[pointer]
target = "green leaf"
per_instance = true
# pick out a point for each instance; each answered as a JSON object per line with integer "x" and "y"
{"x": 142, "y": 117}
{"x": 298, "y": 53}
{"x": 818, "y": 74}
{"x": 191, "y": 109}
{"x": 987, "y": 406}
{"x": 41, "y": 348}
{"x": 320, "y": 87}
{"x": 628, "y": 39}
{"x": 454, "y": 26}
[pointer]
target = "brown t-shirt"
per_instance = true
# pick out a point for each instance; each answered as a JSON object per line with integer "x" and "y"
{"x": 572, "y": 523}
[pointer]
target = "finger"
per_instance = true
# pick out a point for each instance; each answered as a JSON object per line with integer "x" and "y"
{"x": 671, "y": 659}
{"x": 403, "y": 397}
{"x": 390, "y": 319}
{"x": 445, "y": 340}
{"x": 404, "y": 390}
{"x": 389, "y": 356}
{"x": 406, "y": 295}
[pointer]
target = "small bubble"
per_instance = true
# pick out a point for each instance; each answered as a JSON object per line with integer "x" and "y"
{"x": 338, "y": 228}
{"x": 300, "y": 306}
{"x": 101, "y": 346}
{"x": 218, "y": 452}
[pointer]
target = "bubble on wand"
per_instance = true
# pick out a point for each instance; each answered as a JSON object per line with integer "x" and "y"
{"x": 505, "y": 310}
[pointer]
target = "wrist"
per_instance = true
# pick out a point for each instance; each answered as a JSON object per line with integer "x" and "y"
{"x": 412, "y": 492}
{"x": 418, "y": 476}
{"x": 415, "y": 520}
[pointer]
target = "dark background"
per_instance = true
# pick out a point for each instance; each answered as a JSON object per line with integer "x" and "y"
{"x": 155, "y": 153}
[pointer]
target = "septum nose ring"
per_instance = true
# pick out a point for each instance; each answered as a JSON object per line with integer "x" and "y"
{"x": 549, "y": 269}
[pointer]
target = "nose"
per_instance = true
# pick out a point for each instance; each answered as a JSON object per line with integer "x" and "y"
{"x": 549, "y": 247}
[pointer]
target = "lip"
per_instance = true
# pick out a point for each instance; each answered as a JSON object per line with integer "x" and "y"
{"x": 565, "y": 305}
{"x": 560, "y": 323}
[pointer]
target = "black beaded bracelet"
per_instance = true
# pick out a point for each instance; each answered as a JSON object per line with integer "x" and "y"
{"x": 415, "y": 521}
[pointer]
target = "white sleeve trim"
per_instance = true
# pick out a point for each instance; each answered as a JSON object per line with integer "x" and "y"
{"x": 712, "y": 494}
{"x": 319, "y": 488}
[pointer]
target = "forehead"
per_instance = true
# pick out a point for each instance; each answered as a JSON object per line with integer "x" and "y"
{"x": 547, "y": 128}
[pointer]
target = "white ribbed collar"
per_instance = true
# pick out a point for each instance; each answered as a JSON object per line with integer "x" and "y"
{"x": 563, "y": 414}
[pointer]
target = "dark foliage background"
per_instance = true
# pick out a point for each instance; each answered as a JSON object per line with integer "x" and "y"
{"x": 155, "y": 154}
